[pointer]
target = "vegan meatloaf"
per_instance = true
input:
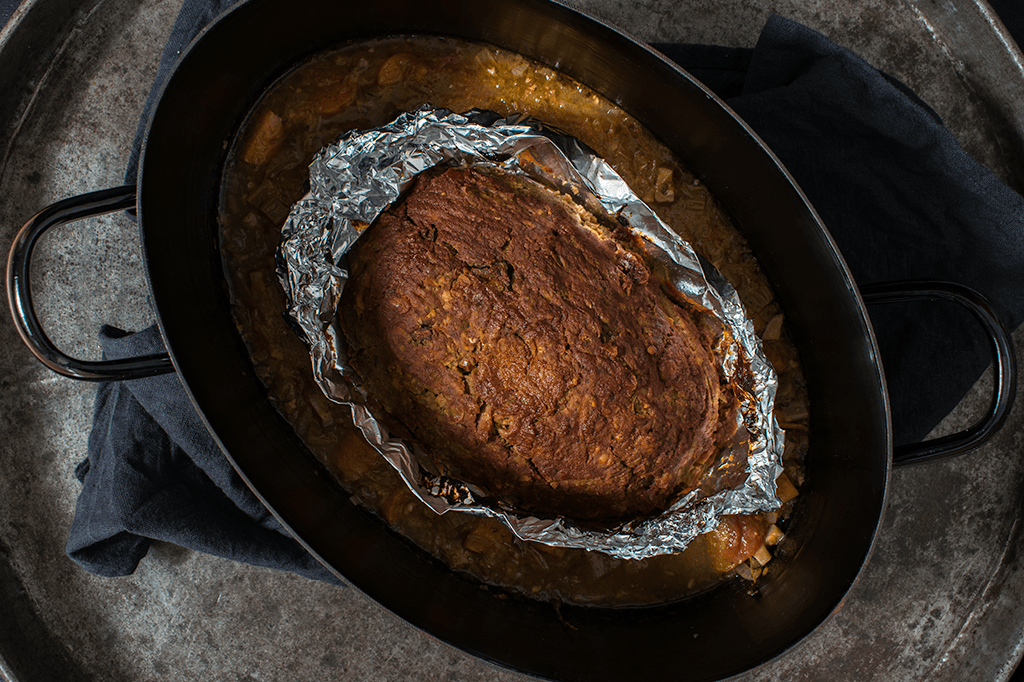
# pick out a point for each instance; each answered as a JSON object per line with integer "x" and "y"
{"x": 529, "y": 348}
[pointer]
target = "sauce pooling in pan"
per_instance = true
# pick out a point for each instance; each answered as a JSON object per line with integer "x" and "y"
{"x": 368, "y": 84}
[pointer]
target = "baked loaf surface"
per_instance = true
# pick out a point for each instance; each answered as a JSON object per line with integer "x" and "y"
{"x": 526, "y": 345}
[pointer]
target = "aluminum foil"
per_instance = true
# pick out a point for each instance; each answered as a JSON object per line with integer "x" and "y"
{"x": 355, "y": 179}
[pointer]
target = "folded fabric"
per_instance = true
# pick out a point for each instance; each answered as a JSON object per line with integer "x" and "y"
{"x": 155, "y": 473}
{"x": 900, "y": 197}
{"x": 902, "y": 201}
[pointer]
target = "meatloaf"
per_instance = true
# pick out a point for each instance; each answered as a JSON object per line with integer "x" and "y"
{"x": 531, "y": 350}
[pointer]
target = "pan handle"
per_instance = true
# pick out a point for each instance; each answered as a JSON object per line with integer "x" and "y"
{"x": 19, "y": 295}
{"x": 1005, "y": 366}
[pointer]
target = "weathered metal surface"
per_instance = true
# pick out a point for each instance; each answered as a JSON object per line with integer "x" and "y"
{"x": 941, "y": 598}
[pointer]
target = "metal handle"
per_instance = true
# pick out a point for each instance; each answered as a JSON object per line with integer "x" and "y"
{"x": 1005, "y": 366}
{"x": 19, "y": 295}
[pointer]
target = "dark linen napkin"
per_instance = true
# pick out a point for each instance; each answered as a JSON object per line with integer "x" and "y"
{"x": 154, "y": 473}
{"x": 900, "y": 197}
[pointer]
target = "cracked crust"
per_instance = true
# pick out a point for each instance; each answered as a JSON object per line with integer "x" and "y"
{"x": 532, "y": 351}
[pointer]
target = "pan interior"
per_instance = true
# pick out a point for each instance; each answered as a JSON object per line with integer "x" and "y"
{"x": 201, "y": 107}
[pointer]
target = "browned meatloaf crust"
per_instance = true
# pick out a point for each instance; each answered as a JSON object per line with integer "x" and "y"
{"x": 531, "y": 350}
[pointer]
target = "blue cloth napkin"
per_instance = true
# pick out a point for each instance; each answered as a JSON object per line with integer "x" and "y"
{"x": 154, "y": 473}
{"x": 900, "y": 197}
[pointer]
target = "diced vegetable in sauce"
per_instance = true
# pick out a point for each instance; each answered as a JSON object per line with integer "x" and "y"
{"x": 734, "y": 540}
{"x": 265, "y": 139}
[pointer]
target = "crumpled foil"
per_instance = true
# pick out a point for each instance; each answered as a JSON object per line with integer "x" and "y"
{"x": 355, "y": 179}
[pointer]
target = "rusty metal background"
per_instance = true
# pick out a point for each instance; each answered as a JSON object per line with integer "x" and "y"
{"x": 941, "y": 599}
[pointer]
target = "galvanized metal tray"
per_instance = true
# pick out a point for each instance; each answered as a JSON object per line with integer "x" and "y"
{"x": 941, "y": 598}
